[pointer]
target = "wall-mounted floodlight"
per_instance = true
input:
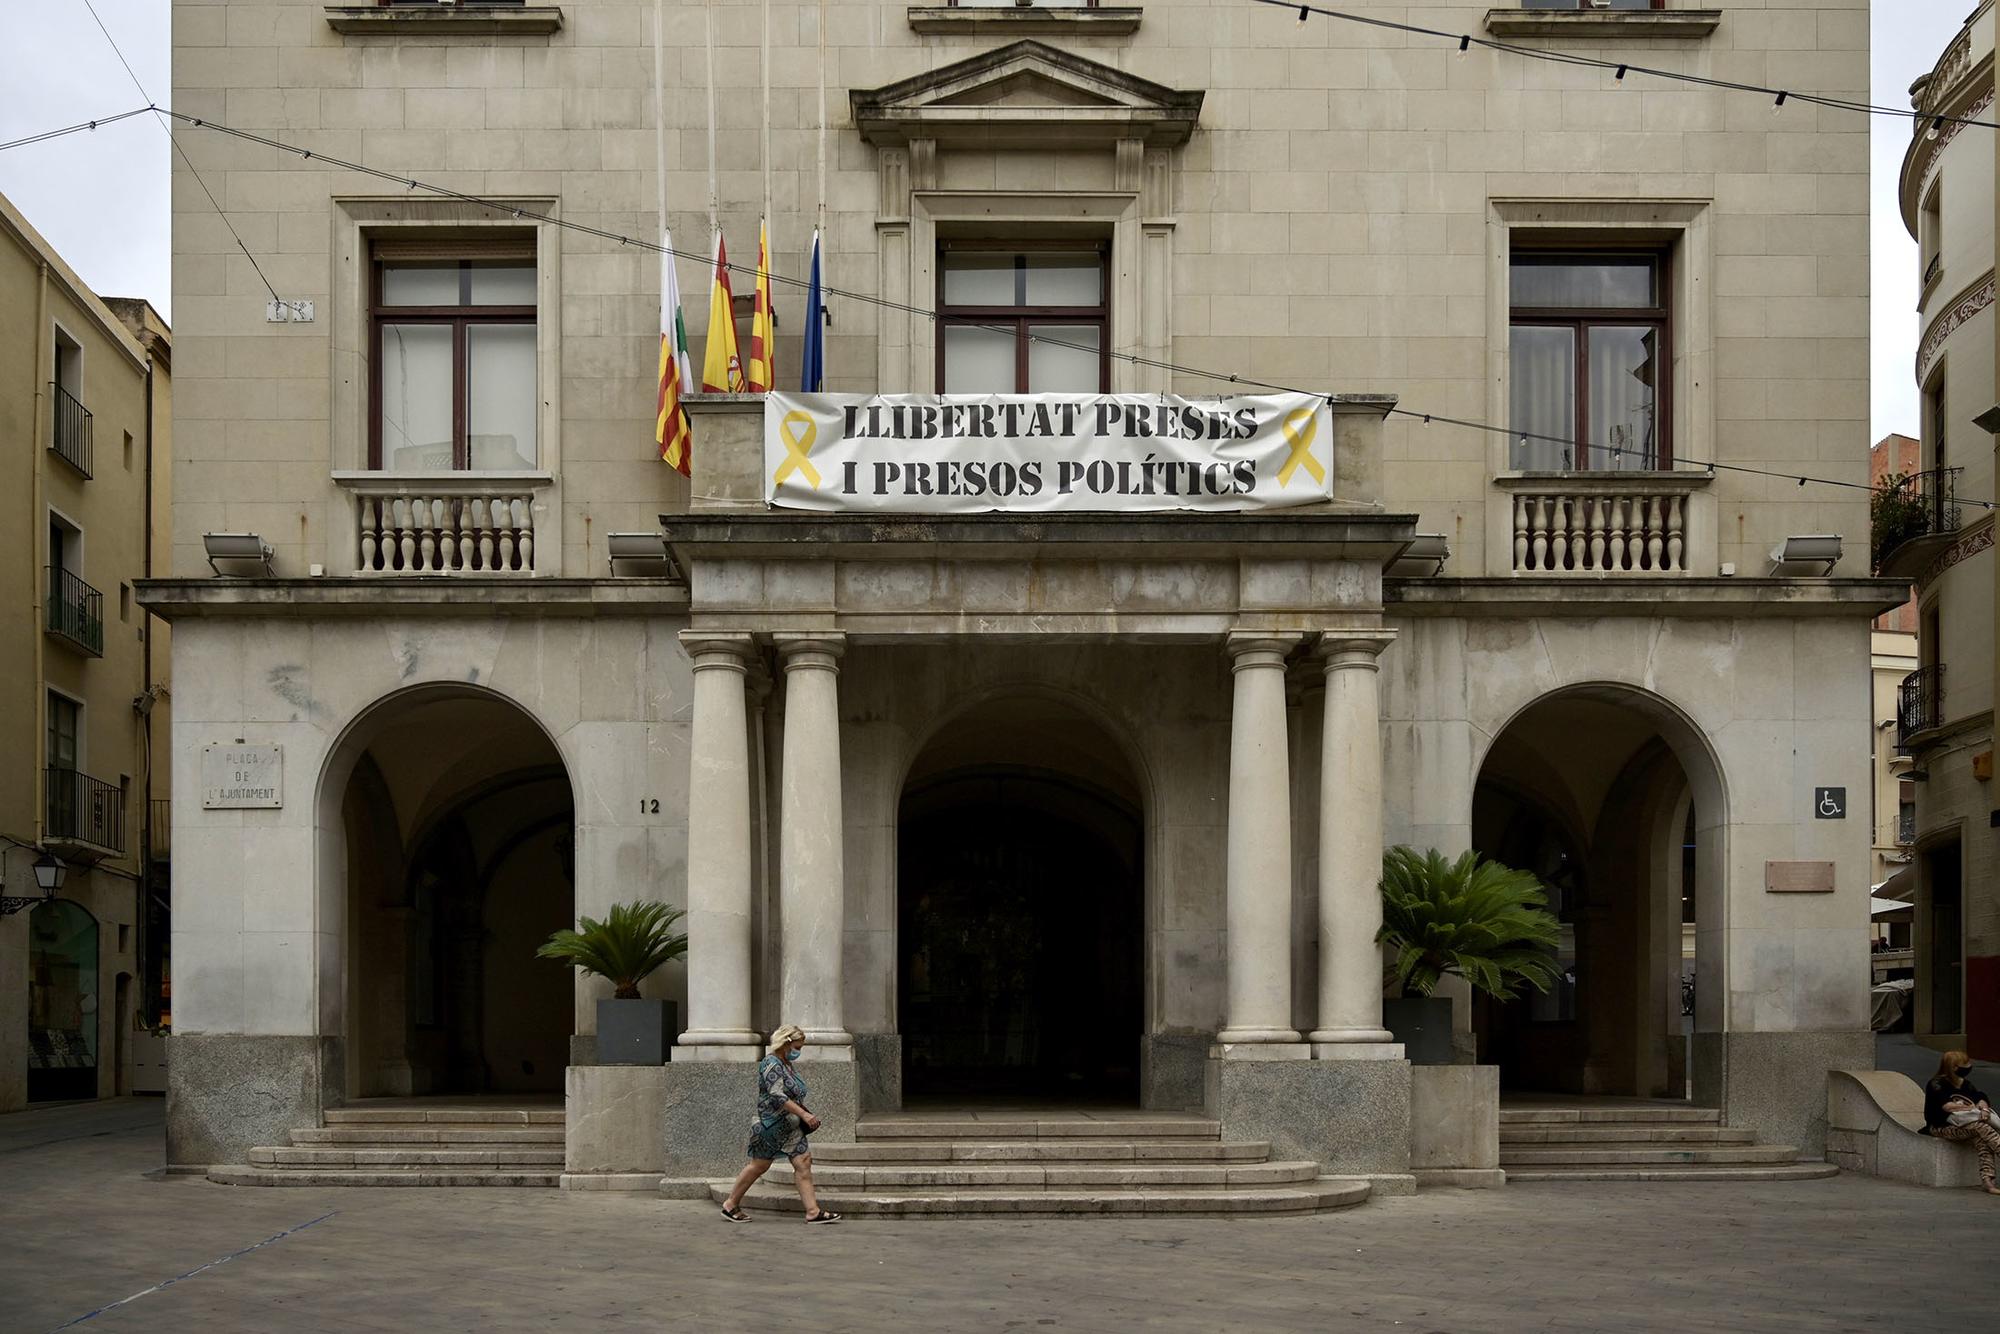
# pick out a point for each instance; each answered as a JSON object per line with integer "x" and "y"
{"x": 1423, "y": 558}
{"x": 1822, "y": 549}
{"x": 238, "y": 551}
{"x": 638, "y": 555}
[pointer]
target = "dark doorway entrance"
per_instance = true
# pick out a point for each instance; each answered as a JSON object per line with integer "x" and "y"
{"x": 1021, "y": 911}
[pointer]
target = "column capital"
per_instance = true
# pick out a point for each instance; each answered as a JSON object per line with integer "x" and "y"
{"x": 719, "y": 650}
{"x": 1259, "y": 648}
{"x": 810, "y": 649}
{"x": 1352, "y": 648}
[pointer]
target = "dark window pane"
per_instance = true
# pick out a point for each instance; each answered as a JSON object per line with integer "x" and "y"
{"x": 1608, "y": 283}
{"x": 1624, "y": 364}
{"x": 1543, "y": 388}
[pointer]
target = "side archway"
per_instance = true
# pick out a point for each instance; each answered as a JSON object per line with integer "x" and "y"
{"x": 446, "y": 827}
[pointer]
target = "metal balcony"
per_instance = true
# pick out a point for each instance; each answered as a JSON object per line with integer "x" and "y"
{"x": 1914, "y": 520}
{"x": 1919, "y": 704}
{"x": 75, "y": 611}
{"x": 84, "y": 817}
{"x": 70, "y": 439}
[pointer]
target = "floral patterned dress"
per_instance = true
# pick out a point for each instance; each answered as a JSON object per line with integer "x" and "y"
{"x": 774, "y": 1132}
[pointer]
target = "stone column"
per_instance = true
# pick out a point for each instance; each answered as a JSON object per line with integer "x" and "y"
{"x": 1350, "y": 850}
{"x": 1259, "y": 847}
{"x": 811, "y": 866}
{"x": 719, "y": 854}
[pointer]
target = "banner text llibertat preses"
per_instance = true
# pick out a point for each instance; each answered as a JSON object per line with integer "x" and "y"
{"x": 1037, "y": 453}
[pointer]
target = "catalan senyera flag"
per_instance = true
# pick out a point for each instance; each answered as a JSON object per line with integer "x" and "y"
{"x": 763, "y": 368}
{"x": 722, "y": 368}
{"x": 670, "y": 427}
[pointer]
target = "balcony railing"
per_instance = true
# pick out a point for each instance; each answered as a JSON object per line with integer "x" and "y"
{"x": 1919, "y": 703}
{"x": 75, "y": 611}
{"x": 71, "y": 436}
{"x": 1932, "y": 269}
{"x": 443, "y": 530}
{"x": 83, "y": 810}
{"x": 1587, "y": 530}
{"x": 1912, "y": 517}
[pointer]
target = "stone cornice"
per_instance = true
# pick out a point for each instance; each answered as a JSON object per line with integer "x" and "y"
{"x": 1605, "y": 24}
{"x": 1641, "y": 595}
{"x": 1954, "y": 317}
{"x": 1974, "y": 539}
{"x": 465, "y": 19}
{"x": 976, "y": 22}
{"x": 435, "y": 596}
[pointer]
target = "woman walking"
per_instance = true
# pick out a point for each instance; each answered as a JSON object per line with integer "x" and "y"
{"x": 779, "y": 1128}
{"x": 1956, "y": 1110}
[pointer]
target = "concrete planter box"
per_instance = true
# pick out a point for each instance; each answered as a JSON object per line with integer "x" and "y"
{"x": 634, "y": 1032}
{"x": 1455, "y": 1125}
{"x": 1423, "y": 1025}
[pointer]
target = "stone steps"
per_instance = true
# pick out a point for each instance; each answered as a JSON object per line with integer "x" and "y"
{"x": 1051, "y": 1167}
{"x": 316, "y": 1156}
{"x": 1041, "y": 1150}
{"x": 1619, "y": 1154}
{"x": 1608, "y": 1133}
{"x": 380, "y": 1176}
{"x": 1307, "y": 1197}
{"x": 1806, "y": 1171}
{"x": 404, "y": 1145}
{"x": 954, "y": 1179}
{"x": 439, "y": 1135}
{"x": 1640, "y": 1143}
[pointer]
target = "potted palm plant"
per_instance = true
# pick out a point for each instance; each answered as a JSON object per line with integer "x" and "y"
{"x": 1470, "y": 918}
{"x": 626, "y": 948}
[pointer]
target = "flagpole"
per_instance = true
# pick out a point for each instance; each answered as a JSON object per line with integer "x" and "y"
{"x": 819, "y": 216}
{"x": 767, "y": 117}
{"x": 714, "y": 198}
{"x": 660, "y": 110}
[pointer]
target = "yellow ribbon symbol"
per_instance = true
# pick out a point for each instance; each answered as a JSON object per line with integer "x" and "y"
{"x": 1300, "y": 427}
{"x": 799, "y": 432}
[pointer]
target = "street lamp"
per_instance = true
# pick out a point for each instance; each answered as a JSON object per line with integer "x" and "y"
{"x": 49, "y": 873}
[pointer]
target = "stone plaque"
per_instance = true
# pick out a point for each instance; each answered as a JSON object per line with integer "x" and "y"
{"x": 1798, "y": 877}
{"x": 240, "y": 777}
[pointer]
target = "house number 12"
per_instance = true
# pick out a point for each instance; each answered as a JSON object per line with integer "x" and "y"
{"x": 649, "y": 806}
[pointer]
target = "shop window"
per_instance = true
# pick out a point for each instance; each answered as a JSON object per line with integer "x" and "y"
{"x": 62, "y": 1002}
{"x": 1022, "y": 320}
{"x": 454, "y": 383}
{"x": 1591, "y": 361}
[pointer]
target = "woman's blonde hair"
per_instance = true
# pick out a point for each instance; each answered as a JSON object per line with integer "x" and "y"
{"x": 786, "y": 1035}
{"x": 1948, "y": 1067}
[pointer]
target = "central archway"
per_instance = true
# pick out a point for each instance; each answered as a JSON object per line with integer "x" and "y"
{"x": 1021, "y": 909}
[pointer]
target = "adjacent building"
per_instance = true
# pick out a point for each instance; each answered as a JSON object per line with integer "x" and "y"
{"x": 1940, "y": 535}
{"x": 1058, "y": 792}
{"x": 83, "y": 407}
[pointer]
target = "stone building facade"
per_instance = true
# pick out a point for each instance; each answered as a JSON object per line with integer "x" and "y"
{"x": 1945, "y": 727}
{"x": 827, "y": 733}
{"x": 84, "y": 400}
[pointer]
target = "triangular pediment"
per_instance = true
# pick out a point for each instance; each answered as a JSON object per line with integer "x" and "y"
{"x": 1025, "y": 92}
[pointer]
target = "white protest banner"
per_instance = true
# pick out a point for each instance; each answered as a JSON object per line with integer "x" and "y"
{"x": 965, "y": 453}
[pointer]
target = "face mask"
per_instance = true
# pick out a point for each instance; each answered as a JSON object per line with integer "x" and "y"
{"x": 1963, "y": 1070}
{"x": 792, "y": 1054}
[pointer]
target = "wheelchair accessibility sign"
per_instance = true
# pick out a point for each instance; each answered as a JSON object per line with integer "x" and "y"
{"x": 1830, "y": 803}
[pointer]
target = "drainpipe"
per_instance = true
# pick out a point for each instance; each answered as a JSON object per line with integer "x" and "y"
{"x": 38, "y": 534}
{"x": 149, "y": 990}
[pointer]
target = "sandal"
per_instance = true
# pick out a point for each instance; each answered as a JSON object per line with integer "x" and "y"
{"x": 823, "y": 1216}
{"x": 735, "y": 1215}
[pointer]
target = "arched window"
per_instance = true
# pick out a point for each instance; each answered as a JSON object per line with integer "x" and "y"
{"x": 62, "y": 1002}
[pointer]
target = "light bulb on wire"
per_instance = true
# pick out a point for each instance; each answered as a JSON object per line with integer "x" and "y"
{"x": 1304, "y": 14}
{"x": 1937, "y": 124}
{"x": 1779, "y": 105}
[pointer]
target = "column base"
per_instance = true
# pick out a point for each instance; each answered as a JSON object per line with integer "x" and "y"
{"x": 1330, "y": 1035}
{"x": 1260, "y": 1051}
{"x": 1350, "y": 1117}
{"x": 1229, "y": 1036}
{"x": 828, "y": 1044}
{"x": 714, "y": 1049}
{"x": 1356, "y": 1051}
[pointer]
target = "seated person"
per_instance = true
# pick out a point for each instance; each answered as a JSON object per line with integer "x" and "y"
{"x": 1955, "y": 1109}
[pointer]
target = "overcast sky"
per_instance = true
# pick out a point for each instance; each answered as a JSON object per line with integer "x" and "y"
{"x": 101, "y": 197}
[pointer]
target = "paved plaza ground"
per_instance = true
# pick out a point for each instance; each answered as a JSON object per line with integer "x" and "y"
{"x": 86, "y": 1228}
